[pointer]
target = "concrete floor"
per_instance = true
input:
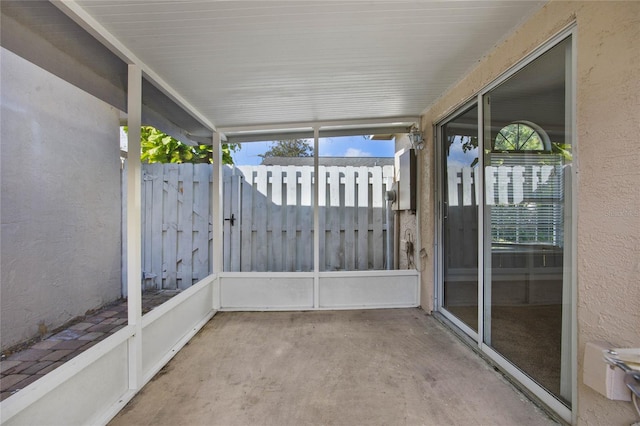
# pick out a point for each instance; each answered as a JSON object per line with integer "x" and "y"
{"x": 373, "y": 367}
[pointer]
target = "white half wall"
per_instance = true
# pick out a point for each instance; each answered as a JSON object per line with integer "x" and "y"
{"x": 94, "y": 386}
{"x": 168, "y": 327}
{"x": 79, "y": 392}
{"x": 391, "y": 289}
{"x": 336, "y": 290}
{"x": 264, "y": 291}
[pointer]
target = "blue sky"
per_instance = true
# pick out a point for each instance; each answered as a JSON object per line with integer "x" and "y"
{"x": 457, "y": 157}
{"x": 351, "y": 146}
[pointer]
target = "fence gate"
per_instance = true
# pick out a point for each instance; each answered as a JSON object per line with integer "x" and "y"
{"x": 268, "y": 220}
{"x": 231, "y": 197}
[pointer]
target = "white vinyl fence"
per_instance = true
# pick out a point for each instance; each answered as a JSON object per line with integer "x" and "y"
{"x": 268, "y": 226}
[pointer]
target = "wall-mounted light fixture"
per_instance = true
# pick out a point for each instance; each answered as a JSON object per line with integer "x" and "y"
{"x": 415, "y": 136}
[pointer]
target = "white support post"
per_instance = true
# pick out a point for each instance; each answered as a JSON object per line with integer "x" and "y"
{"x": 217, "y": 219}
{"x": 316, "y": 221}
{"x": 134, "y": 225}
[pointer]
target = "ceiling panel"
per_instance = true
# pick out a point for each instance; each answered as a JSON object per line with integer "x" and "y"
{"x": 251, "y": 63}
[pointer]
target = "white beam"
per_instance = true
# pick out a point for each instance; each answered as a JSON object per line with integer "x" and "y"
{"x": 366, "y": 122}
{"x": 134, "y": 225}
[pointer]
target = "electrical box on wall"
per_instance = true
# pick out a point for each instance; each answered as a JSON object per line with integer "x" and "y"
{"x": 406, "y": 192}
{"x": 602, "y": 377}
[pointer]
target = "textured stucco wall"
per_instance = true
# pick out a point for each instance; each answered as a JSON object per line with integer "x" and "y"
{"x": 405, "y": 220}
{"x": 60, "y": 201}
{"x": 608, "y": 159}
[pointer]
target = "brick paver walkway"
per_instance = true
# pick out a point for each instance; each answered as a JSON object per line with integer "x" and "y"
{"x": 22, "y": 368}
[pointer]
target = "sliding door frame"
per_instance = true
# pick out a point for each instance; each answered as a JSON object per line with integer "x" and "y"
{"x": 569, "y": 322}
{"x": 440, "y": 216}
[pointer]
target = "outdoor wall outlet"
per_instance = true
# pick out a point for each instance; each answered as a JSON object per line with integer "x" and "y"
{"x": 602, "y": 377}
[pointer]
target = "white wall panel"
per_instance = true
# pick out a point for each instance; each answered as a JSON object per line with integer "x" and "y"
{"x": 168, "y": 327}
{"x": 264, "y": 292}
{"x": 337, "y": 290}
{"x": 380, "y": 291}
{"x": 80, "y": 398}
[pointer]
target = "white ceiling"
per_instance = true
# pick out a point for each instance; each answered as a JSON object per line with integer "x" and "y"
{"x": 264, "y": 63}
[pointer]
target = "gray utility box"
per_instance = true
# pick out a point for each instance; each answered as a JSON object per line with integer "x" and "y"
{"x": 406, "y": 188}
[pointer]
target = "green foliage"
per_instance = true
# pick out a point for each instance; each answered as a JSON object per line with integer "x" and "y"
{"x": 289, "y": 148}
{"x": 563, "y": 149}
{"x": 158, "y": 147}
{"x": 518, "y": 137}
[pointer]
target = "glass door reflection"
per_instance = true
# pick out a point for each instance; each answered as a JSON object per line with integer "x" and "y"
{"x": 527, "y": 213}
{"x": 460, "y": 217}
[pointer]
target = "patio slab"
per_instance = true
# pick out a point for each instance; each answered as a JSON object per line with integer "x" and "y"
{"x": 369, "y": 367}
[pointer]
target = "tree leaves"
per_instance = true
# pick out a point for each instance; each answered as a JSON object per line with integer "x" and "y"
{"x": 158, "y": 147}
{"x": 289, "y": 148}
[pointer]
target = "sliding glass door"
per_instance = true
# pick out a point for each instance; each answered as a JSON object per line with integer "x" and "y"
{"x": 506, "y": 189}
{"x": 527, "y": 165}
{"x": 459, "y": 207}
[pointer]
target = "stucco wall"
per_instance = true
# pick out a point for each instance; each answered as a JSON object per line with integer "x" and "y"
{"x": 405, "y": 220}
{"x": 608, "y": 159}
{"x": 60, "y": 201}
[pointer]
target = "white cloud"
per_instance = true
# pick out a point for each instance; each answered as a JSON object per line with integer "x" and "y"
{"x": 355, "y": 152}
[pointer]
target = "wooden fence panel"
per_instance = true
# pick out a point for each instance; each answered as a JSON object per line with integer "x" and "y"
{"x": 272, "y": 207}
{"x": 291, "y": 230}
{"x": 202, "y": 221}
{"x": 170, "y": 226}
{"x": 322, "y": 211}
{"x": 362, "y": 253}
{"x": 175, "y": 224}
{"x": 335, "y": 213}
{"x": 305, "y": 212}
{"x": 226, "y": 214}
{"x": 272, "y": 230}
{"x": 147, "y": 210}
{"x": 156, "y": 238}
{"x": 278, "y": 227}
{"x": 276, "y": 220}
{"x": 236, "y": 200}
{"x": 246, "y": 214}
{"x": 259, "y": 220}
{"x": 185, "y": 227}
{"x": 349, "y": 219}
{"x": 377, "y": 217}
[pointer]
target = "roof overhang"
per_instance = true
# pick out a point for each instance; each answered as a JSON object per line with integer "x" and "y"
{"x": 242, "y": 68}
